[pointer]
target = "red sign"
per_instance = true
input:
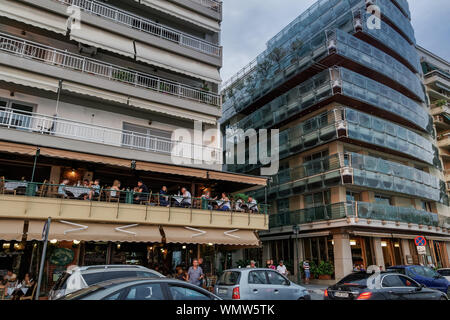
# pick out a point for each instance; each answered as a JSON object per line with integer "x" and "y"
{"x": 420, "y": 241}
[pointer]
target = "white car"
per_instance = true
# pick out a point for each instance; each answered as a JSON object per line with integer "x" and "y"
{"x": 445, "y": 272}
{"x": 83, "y": 277}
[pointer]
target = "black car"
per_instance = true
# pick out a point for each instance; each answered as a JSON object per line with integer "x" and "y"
{"x": 380, "y": 286}
{"x": 141, "y": 289}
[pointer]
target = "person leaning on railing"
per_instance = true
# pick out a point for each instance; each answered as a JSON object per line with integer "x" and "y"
{"x": 142, "y": 191}
{"x": 252, "y": 205}
{"x": 163, "y": 197}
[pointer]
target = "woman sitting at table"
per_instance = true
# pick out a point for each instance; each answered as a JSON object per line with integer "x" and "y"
{"x": 225, "y": 205}
{"x": 163, "y": 197}
{"x": 25, "y": 289}
{"x": 206, "y": 200}
{"x": 86, "y": 184}
{"x": 114, "y": 193}
{"x": 95, "y": 189}
{"x": 11, "y": 282}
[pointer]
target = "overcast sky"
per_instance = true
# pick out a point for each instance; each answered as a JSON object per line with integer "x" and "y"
{"x": 248, "y": 24}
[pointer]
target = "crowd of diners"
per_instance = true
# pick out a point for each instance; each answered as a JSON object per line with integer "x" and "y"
{"x": 92, "y": 190}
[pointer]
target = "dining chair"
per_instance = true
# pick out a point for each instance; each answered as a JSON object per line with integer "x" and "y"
{"x": 42, "y": 189}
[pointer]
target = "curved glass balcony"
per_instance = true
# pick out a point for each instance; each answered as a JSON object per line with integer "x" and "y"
{"x": 367, "y": 55}
{"x": 404, "y": 6}
{"x": 374, "y": 130}
{"x": 320, "y": 87}
{"x": 376, "y": 211}
{"x": 363, "y": 210}
{"x": 374, "y": 93}
{"x": 367, "y": 171}
{"x": 396, "y": 17}
{"x": 392, "y": 39}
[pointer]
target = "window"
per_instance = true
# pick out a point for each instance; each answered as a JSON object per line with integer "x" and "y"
{"x": 275, "y": 278}
{"x": 118, "y": 274}
{"x": 353, "y": 196}
{"x": 146, "y": 138}
{"x": 15, "y": 114}
{"x": 184, "y": 293}
{"x": 146, "y": 274}
{"x": 229, "y": 278}
{"x": 257, "y": 277}
{"x": 418, "y": 270}
{"x": 92, "y": 278}
{"x": 430, "y": 273}
{"x": 147, "y": 291}
{"x": 392, "y": 281}
{"x": 283, "y": 205}
{"x": 317, "y": 199}
{"x": 315, "y": 156}
{"x": 380, "y": 199}
{"x": 426, "y": 206}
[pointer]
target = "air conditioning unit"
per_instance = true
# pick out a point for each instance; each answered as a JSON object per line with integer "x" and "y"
{"x": 332, "y": 45}
{"x": 358, "y": 24}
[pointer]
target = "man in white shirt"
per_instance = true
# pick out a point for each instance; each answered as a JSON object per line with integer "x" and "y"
{"x": 187, "y": 198}
{"x": 281, "y": 268}
{"x": 252, "y": 205}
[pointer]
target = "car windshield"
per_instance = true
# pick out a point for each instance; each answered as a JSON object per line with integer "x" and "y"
{"x": 355, "y": 279}
{"x": 229, "y": 278}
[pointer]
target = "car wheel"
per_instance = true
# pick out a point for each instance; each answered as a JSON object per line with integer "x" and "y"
{"x": 443, "y": 298}
{"x": 448, "y": 293}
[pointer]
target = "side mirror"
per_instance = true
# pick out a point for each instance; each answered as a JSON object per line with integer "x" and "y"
{"x": 420, "y": 287}
{"x": 287, "y": 283}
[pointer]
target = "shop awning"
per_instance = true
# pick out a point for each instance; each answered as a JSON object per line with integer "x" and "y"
{"x": 211, "y": 236}
{"x": 11, "y": 229}
{"x": 93, "y": 36}
{"x": 162, "y": 168}
{"x": 28, "y": 79}
{"x": 15, "y": 10}
{"x": 94, "y": 92}
{"x": 70, "y": 230}
{"x": 226, "y": 176}
{"x": 182, "y": 13}
{"x": 177, "y": 63}
{"x": 176, "y": 112}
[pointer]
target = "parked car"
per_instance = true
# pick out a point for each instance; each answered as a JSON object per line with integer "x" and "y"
{"x": 445, "y": 272}
{"x": 381, "y": 286}
{"x": 82, "y": 277}
{"x": 258, "y": 284}
{"x": 142, "y": 289}
{"x": 425, "y": 276}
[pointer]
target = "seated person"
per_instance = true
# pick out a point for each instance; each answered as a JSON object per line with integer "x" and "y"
{"x": 163, "y": 197}
{"x": 252, "y": 205}
{"x": 114, "y": 193}
{"x": 95, "y": 189}
{"x": 206, "y": 201}
{"x": 86, "y": 184}
{"x": 225, "y": 206}
{"x": 26, "y": 288}
{"x": 62, "y": 187}
{"x": 239, "y": 204}
{"x": 142, "y": 191}
{"x": 11, "y": 281}
{"x": 187, "y": 198}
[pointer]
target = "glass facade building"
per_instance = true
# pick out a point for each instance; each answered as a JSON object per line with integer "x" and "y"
{"x": 357, "y": 143}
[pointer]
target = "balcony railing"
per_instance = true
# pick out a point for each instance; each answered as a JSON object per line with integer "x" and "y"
{"x": 214, "y": 5}
{"x": 145, "y": 25}
{"x": 363, "y": 210}
{"x": 105, "y": 194}
{"x": 63, "y": 59}
{"x": 59, "y": 127}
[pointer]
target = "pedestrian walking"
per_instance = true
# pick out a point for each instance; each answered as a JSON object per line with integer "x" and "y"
{"x": 306, "y": 270}
{"x": 195, "y": 274}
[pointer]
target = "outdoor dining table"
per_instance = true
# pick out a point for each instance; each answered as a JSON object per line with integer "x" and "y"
{"x": 77, "y": 191}
{"x": 31, "y": 187}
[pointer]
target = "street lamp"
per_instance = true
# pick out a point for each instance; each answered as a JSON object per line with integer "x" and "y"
{"x": 296, "y": 230}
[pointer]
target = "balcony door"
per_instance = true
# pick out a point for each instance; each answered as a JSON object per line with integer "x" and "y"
{"x": 145, "y": 138}
{"x": 15, "y": 114}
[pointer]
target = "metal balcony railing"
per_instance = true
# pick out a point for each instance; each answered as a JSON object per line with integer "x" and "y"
{"x": 210, "y": 4}
{"x": 55, "y": 126}
{"x": 142, "y": 24}
{"x": 64, "y": 59}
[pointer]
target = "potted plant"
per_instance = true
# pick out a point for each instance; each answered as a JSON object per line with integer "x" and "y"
{"x": 277, "y": 56}
{"x": 295, "y": 47}
{"x": 325, "y": 270}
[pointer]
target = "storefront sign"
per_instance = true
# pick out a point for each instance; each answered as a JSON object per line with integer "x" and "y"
{"x": 62, "y": 257}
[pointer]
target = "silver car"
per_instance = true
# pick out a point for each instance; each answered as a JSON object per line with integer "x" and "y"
{"x": 82, "y": 277}
{"x": 258, "y": 284}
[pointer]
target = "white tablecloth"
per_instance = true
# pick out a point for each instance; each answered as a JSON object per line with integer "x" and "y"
{"x": 77, "y": 191}
{"x": 13, "y": 185}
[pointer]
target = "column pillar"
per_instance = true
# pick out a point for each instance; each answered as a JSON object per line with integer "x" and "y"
{"x": 406, "y": 251}
{"x": 379, "y": 259}
{"x": 343, "y": 264}
{"x": 266, "y": 252}
{"x": 298, "y": 255}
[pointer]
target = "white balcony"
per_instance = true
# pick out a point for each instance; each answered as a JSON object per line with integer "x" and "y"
{"x": 62, "y": 59}
{"x": 146, "y": 25}
{"x": 65, "y": 128}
